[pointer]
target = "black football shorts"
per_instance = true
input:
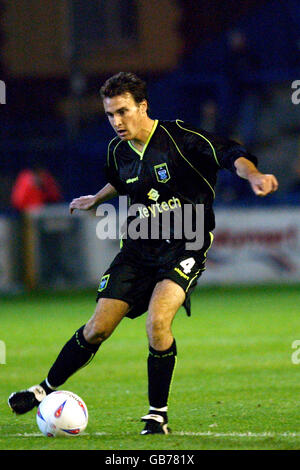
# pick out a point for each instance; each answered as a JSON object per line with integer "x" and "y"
{"x": 133, "y": 282}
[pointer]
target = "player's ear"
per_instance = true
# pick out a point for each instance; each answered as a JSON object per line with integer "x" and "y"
{"x": 144, "y": 106}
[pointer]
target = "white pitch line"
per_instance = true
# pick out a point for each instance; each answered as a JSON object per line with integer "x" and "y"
{"x": 24, "y": 434}
{"x": 237, "y": 434}
{"x": 39, "y": 434}
{"x": 186, "y": 433}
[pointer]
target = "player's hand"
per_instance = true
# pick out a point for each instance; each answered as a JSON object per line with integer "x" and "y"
{"x": 83, "y": 203}
{"x": 262, "y": 185}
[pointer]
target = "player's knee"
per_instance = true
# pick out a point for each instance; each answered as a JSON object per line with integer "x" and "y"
{"x": 95, "y": 332}
{"x": 157, "y": 327}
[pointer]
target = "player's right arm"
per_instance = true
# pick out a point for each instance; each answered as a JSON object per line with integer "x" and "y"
{"x": 86, "y": 203}
{"x": 261, "y": 184}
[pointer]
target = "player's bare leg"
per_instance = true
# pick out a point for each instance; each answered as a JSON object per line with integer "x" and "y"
{"x": 107, "y": 316}
{"x": 166, "y": 299}
{"x": 75, "y": 354}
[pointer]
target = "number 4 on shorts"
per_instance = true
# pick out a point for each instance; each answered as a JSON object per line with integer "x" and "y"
{"x": 187, "y": 265}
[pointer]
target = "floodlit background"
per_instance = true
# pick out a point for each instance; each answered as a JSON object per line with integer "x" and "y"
{"x": 227, "y": 67}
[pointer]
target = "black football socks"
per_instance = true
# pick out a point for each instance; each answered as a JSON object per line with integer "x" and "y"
{"x": 161, "y": 366}
{"x": 75, "y": 354}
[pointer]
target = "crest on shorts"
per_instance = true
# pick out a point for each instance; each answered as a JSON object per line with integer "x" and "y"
{"x": 103, "y": 282}
{"x": 162, "y": 172}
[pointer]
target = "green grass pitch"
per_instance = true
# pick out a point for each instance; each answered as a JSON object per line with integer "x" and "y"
{"x": 235, "y": 385}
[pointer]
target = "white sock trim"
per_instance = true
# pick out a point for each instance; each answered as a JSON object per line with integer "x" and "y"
{"x": 48, "y": 385}
{"x": 164, "y": 409}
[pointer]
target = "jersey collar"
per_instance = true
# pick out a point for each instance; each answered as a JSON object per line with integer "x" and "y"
{"x": 141, "y": 154}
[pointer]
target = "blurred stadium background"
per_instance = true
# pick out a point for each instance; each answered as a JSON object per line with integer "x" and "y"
{"x": 225, "y": 66}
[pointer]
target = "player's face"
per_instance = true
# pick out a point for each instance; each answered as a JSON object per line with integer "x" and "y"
{"x": 125, "y": 115}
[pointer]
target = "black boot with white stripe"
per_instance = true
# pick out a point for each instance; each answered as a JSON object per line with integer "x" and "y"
{"x": 155, "y": 424}
{"x": 25, "y": 400}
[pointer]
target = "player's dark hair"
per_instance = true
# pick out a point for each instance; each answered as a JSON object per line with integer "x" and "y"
{"x": 125, "y": 82}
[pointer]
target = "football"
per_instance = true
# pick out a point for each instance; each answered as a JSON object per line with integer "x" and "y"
{"x": 62, "y": 413}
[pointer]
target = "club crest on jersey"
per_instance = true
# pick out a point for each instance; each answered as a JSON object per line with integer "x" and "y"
{"x": 162, "y": 172}
{"x": 103, "y": 283}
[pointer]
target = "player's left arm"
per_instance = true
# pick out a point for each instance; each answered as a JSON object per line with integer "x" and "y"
{"x": 261, "y": 184}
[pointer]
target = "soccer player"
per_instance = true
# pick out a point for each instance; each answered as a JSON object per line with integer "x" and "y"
{"x": 161, "y": 166}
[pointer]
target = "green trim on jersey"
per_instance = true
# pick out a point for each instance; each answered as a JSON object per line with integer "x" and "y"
{"x": 141, "y": 154}
{"x": 172, "y": 379}
{"x": 114, "y": 153}
{"x": 200, "y": 135}
{"x": 195, "y": 169}
{"x": 108, "y": 147}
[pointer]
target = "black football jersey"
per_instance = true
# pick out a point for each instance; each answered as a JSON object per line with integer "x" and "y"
{"x": 178, "y": 165}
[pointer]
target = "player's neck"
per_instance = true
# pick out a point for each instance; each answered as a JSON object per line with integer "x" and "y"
{"x": 143, "y": 135}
